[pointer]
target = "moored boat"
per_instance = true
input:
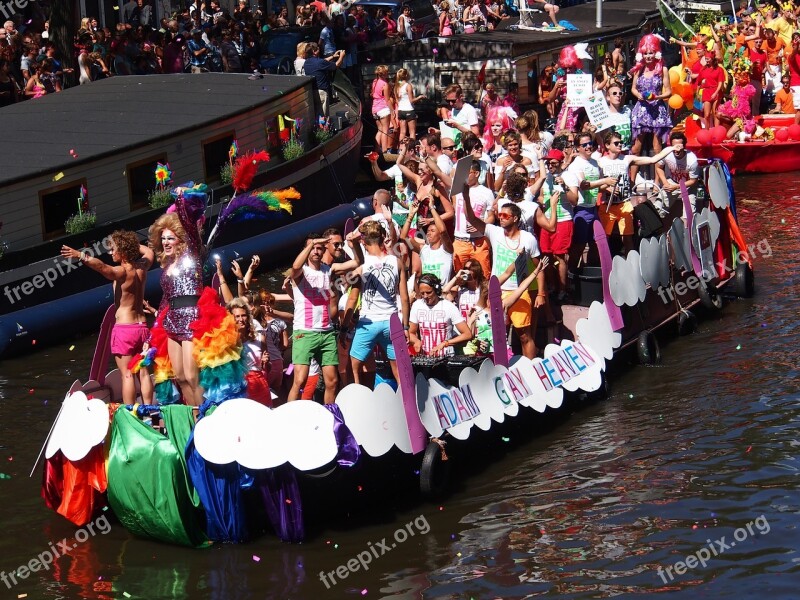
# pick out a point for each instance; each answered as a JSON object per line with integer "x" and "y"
{"x": 107, "y": 139}
{"x": 245, "y": 461}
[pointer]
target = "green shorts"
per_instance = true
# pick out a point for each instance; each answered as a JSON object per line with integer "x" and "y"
{"x": 317, "y": 344}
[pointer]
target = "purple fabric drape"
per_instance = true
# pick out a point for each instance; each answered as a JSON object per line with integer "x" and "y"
{"x": 349, "y": 451}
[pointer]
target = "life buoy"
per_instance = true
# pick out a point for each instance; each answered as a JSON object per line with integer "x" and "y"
{"x": 434, "y": 473}
{"x": 744, "y": 281}
{"x": 687, "y": 322}
{"x": 647, "y": 348}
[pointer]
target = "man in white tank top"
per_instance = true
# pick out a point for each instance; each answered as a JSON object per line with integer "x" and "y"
{"x": 383, "y": 279}
{"x": 314, "y": 335}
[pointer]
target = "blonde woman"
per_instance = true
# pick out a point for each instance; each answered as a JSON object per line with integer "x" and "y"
{"x": 299, "y": 61}
{"x": 382, "y": 108}
{"x": 404, "y": 93}
{"x": 445, "y": 27}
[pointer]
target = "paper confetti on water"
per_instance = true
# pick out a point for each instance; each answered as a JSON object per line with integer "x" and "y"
{"x": 126, "y": 594}
{"x": 738, "y": 346}
{"x": 505, "y": 439}
{"x": 364, "y": 592}
{"x": 71, "y": 348}
{"x": 256, "y": 558}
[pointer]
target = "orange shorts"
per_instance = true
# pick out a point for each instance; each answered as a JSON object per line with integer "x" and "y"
{"x": 519, "y": 313}
{"x": 617, "y": 213}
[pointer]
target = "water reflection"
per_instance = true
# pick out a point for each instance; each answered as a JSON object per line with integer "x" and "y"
{"x": 679, "y": 455}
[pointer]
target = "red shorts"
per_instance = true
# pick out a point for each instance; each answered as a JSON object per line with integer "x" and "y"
{"x": 557, "y": 242}
{"x": 258, "y": 388}
{"x": 127, "y": 339}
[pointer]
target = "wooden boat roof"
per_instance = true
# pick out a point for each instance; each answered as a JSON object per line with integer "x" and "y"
{"x": 114, "y": 114}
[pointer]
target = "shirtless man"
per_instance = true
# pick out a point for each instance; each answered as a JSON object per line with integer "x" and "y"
{"x": 130, "y": 330}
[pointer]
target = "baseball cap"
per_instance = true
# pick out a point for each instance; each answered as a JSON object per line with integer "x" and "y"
{"x": 555, "y": 154}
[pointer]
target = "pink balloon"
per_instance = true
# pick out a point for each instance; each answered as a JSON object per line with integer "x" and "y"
{"x": 794, "y": 131}
{"x": 704, "y": 137}
{"x": 782, "y": 135}
{"x": 718, "y": 134}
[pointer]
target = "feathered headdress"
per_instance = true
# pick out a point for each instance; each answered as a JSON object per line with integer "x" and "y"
{"x": 254, "y": 206}
{"x": 245, "y": 169}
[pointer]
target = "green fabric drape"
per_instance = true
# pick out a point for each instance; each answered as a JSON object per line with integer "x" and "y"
{"x": 148, "y": 486}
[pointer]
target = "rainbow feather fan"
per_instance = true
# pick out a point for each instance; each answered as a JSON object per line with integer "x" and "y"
{"x": 254, "y": 206}
{"x": 245, "y": 169}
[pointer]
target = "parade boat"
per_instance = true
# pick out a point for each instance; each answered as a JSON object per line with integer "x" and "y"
{"x": 773, "y": 146}
{"x": 243, "y": 468}
{"x": 95, "y": 148}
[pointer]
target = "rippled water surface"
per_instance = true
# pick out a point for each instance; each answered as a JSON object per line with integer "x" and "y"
{"x": 694, "y": 458}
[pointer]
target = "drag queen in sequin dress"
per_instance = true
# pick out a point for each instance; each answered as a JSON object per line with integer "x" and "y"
{"x": 651, "y": 86}
{"x": 195, "y": 338}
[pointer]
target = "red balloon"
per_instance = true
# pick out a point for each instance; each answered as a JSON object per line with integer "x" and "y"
{"x": 782, "y": 135}
{"x": 704, "y": 137}
{"x": 718, "y": 134}
{"x": 794, "y": 131}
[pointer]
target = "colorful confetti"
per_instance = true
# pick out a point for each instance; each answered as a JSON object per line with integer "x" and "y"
{"x": 59, "y": 176}
{"x": 256, "y": 558}
{"x": 71, "y": 348}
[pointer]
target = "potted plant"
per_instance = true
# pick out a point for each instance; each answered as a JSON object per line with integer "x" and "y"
{"x": 84, "y": 219}
{"x": 293, "y": 148}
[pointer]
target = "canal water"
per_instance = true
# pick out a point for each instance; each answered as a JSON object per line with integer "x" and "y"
{"x": 685, "y": 481}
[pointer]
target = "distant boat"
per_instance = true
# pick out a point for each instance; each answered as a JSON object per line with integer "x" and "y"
{"x": 108, "y": 138}
{"x": 752, "y": 156}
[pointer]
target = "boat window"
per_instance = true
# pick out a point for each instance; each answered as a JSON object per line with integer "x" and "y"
{"x": 215, "y": 155}
{"x": 271, "y": 129}
{"x": 141, "y": 180}
{"x": 57, "y": 204}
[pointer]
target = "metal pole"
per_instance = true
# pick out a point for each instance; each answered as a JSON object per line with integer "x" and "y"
{"x": 599, "y": 15}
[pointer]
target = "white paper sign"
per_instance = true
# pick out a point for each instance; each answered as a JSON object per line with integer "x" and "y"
{"x": 598, "y": 112}
{"x": 579, "y": 88}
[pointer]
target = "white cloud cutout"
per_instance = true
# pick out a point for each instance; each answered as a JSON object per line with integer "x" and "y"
{"x": 625, "y": 281}
{"x": 713, "y": 225}
{"x": 578, "y": 365}
{"x": 718, "y": 186}
{"x": 376, "y": 418}
{"x": 244, "y": 431}
{"x": 654, "y": 261}
{"x": 596, "y": 332}
{"x": 79, "y": 427}
{"x": 680, "y": 245}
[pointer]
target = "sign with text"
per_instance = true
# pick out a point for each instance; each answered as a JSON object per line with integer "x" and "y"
{"x": 579, "y": 88}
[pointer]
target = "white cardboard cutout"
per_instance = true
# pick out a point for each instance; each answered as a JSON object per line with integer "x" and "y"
{"x": 375, "y": 418}
{"x": 625, "y": 281}
{"x": 718, "y": 186}
{"x": 80, "y": 426}
{"x": 596, "y": 332}
{"x": 654, "y": 261}
{"x": 680, "y": 246}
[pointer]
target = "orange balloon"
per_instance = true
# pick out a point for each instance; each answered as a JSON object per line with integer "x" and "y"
{"x": 679, "y": 88}
{"x": 675, "y": 101}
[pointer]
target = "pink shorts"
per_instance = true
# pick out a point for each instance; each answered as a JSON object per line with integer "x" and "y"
{"x": 127, "y": 339}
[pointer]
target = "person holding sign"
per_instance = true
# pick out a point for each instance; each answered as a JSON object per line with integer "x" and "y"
{"x": 568, "y": 63}
{"x": 651, "y": 87}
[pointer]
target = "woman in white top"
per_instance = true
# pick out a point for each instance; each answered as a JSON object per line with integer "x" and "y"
{"x": 255, "y": 352}
{"x": 436, "y": 255}
{"x": 406, "y": 116}
{"x": 302, "y": 54}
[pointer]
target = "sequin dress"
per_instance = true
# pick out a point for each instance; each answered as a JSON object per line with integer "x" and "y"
{"x": 183, "y": 277}
{"x": 650, "y": 117}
